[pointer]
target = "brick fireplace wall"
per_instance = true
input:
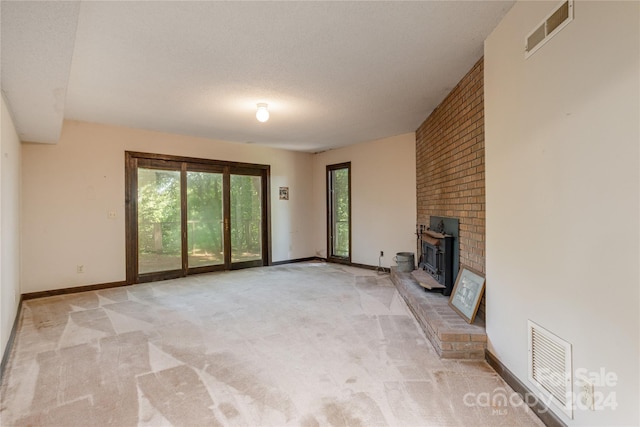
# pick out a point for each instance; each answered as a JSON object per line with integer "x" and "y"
{"x": 450, "y": 166}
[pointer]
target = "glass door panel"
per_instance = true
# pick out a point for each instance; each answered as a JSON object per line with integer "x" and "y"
{"x": 246, "y": 218}
{"x": 339, "y": 211}
{"x": 205, "y": 220}
{"x": 159, "y": 221}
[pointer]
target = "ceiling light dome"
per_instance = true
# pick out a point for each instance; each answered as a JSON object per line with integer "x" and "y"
{"x": 262, "y": 114}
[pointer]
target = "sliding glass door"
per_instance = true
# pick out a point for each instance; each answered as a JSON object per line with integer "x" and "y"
{"x": 191, "y": 215}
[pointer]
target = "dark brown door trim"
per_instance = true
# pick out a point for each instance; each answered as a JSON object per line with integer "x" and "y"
{"x": 130, "y": 213}
{"x": 330, "y": 213}
{"x": 226, "y": 201}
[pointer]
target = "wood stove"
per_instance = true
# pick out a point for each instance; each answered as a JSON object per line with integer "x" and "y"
{"x": 439, "y": 251}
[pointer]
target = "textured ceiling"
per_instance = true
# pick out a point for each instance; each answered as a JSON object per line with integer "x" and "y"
{"x": 333, "y": 73}
{"x": 36, "y": 49}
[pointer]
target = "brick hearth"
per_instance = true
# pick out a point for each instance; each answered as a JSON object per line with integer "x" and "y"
{"x": 450, "y": 334}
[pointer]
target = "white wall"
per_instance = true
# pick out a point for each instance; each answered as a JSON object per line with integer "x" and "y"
{"x": 10, "y": 151}
{"x": 562, "y": 188}
{"x": 383, "y": 191}
{"x": 69, "y": 188}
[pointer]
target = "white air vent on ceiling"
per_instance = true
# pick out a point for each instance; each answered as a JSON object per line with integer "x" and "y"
{"x": 550, "y": 367}
{"x": 552, "y": 24}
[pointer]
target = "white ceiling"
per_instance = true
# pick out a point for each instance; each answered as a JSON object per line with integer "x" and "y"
{"x": 333, "y": 73}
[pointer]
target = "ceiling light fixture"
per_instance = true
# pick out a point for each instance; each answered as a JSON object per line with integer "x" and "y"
{"x": 262, "y": 114}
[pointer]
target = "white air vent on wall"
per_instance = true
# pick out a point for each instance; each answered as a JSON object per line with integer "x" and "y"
{"x": 552, "y": 24}
{"x": 550, "y": 367}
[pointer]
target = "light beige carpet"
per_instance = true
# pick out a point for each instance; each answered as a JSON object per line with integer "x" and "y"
{"x": 304, "y": 344}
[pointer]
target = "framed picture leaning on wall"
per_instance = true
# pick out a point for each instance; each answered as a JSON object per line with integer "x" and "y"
{"x": 467, "y": 293}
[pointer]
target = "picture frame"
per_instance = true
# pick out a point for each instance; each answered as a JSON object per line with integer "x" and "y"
{"x": 467, "y": 293}
{"x": 284, "y": 193}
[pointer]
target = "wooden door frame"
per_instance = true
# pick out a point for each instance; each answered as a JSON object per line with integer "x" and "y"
{"x": 132, "y": 160}
{"x": 330, "y": 256}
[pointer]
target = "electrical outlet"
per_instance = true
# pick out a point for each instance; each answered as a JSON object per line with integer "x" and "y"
{"x": 80, "y": 269}
{"x": 381, "y": 253}
{"x": 111, "y": 214}
{"x": 586, "y": 393}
